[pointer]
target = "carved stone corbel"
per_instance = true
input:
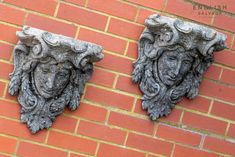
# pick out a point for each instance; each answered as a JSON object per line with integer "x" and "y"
{"x": 172, "y": 57}
{"x": 50, "y": 72}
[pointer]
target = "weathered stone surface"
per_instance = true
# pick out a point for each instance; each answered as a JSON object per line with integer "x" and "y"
{"x": 173, "y": 55}
{"x": 50, "y": 72}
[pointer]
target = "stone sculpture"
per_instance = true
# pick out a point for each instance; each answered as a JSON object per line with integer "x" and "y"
{"x": 50, "y": 72}
{"x": 172, "y": 57}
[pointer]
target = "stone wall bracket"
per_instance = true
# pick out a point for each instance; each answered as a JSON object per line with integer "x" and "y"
{"x": 50, "y": 72}
{"x": 172, "y": 58}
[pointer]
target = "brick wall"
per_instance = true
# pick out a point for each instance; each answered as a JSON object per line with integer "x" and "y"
{"x": 110, "y": 121}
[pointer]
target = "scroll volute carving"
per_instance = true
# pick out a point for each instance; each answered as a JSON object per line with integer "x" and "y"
{"x": 50, "y": 72}
{"x": 172, "y": 57}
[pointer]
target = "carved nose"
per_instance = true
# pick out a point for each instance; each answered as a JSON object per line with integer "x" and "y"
{"x": 50, "y": 81}
{"x": 175, "y": 72}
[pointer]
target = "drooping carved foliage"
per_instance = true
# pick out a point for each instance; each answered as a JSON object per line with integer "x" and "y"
{"x": 50, "y": 72}
{"x": 173, "y": 55}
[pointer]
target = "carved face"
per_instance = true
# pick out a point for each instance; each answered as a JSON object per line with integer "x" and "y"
{"x": 172, "y": 67}
{"x": 51, "y": 78}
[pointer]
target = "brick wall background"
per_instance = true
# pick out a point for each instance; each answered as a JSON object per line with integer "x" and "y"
{"x": 110, "y": 121}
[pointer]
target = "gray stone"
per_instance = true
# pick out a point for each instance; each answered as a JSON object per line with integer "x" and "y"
{"x": 50, "y": 72}
{"x": 172, "y": 57}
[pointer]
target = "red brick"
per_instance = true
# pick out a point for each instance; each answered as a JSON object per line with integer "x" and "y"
{"x": 227, "y": 76}
{"x": 72, "y": 143}
{"x": 11, "y": 15}
{"x": 8, "y": 68}
{"x": 185, "y": 9}
{"x": 78, "y": 2}
{"x": 7, "y": 145}
{"x": 16, "y": 128}
{"x": 119, "y": 64}
{"x": 101, "y": 132}
{"x": 106, "y": 150}
{"x": 109, "y": 98}
{"x": 51, "y": 25}
{"x": 225, "y": 22}
{"x": 125, "y": 29}
{"x": 219, "y": 145}
{"x": 115, "y": 8}
{"x": 5, "y": 51}
{"x": 125, "y": 84}
{"x": 231, "y": 131}
{"x": 225, "y": 57}
{"x": 173, "y": 117}
{"x": 108, "y": 42}
{"x": 131, "y": 123}
{"x": 199, "y": 104}
{"x": 204, "y": 123}
{"x": 9, "y": 109}
{"x": 29, "y": 150}
{"x": 178, "y": 135}
{"x": 228, "y": 4}
{"x": 155, "y": 4}
{"x": 45, "y": 6}
{"x": 143, "y": 15}
{"x": 2, "y": 88}
{"x": 8, "y": 34}
{"x": 223, "y": 110}
{"x": 132, "y": 50}
{"x": 213, "y": 72}
{"x": 217, "y": 91}
{"x": 65, "y": 123}
{"x": 102, "y": 77}
{"x": 181, "y": 151}
{"x": 149, "y": 144}
{"x": 82, "y": 16}
{"x": 85, "y": 110}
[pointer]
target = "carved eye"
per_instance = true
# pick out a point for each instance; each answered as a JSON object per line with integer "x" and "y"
{"x": 171, "y": 58}
{"x": 45, "y": 70}
{"x": 186, "y": 62}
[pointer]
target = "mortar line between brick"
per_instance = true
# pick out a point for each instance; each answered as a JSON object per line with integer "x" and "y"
{"x": 86, "y": 3}
{"x": 165, "y": 5}
{"x": 126, "y": 138}
{"x": 126, "y": 48}
{"x": 173, "y": 150}
{"x": 227, "y": 129}
{"x": 97, "y": 149}
{"x": 134, "y": 105}
{"x": 57, "y": 8}
{"x": 107, "y": 24}
{"x": 76, "y": 127}
{"x": 210, "y": 107}
{"x": 115, "y": 82}
{"x": 221, "y": 72}
{"x": 107, "y": 117}
{"x": 17, "y": 147}
{"x": 137, "y": 14}
{"x": 5, "y": 90}
{"x": 47, "y": 136}
{"x": 202, "y": 141}
{"x": 77, "y": 32}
